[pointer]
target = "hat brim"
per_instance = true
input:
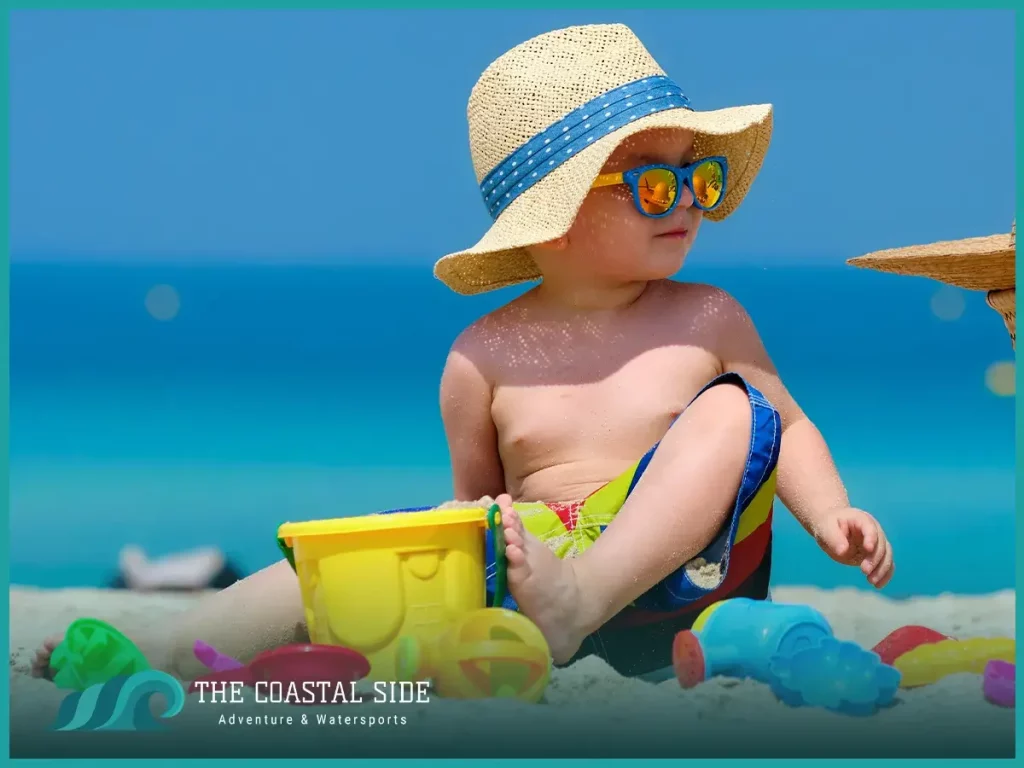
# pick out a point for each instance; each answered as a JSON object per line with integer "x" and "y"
{"x": 976, "y": 264}
{"x": 547, "y": 210}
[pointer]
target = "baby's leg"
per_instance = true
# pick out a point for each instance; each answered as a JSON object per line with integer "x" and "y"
{"x": 682, "y": 500}
{"x": 257, "y": 614}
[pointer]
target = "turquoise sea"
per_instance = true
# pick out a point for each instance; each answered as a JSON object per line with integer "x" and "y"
{"x": 244, "y": 395}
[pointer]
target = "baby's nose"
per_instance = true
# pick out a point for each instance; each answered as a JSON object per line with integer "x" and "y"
{"x": 686, "y": 198}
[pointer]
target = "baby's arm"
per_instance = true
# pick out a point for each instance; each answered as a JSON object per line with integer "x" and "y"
{"x": 472, "y": 437}
{"x": 808, "y": 481}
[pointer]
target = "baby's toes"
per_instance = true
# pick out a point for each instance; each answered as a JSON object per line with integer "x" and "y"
{"x": 505, "y": 502}
{"x": 515, "y": 534}
{"x": 515, "y": 555}
{"x": 41, "y": 660}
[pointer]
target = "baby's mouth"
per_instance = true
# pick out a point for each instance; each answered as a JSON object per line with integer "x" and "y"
{"x": 677, "y": 234}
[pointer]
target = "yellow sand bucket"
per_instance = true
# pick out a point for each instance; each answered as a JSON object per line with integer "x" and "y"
{"x": 368, "y": 581}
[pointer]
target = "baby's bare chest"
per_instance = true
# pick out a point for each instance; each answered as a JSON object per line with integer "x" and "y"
{"x": 579, "y": 413}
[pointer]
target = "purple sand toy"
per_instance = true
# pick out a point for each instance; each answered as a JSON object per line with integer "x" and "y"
{"x": 213, "y": 659}
{"x": 1000, "y": 683}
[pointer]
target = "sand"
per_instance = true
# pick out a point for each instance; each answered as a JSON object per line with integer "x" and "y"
{"x": 590, "y": 709}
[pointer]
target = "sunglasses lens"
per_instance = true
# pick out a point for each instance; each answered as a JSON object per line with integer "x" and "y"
{"x": 657, "y": 188}
{"x": 708, "y": 183}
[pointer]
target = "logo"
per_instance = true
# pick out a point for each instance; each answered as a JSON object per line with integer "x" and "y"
{"x": 121, "y": 704}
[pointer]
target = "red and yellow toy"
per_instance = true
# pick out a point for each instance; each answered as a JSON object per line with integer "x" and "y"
{"x": 924, "y": 656}
{"x": 931, "y": 662}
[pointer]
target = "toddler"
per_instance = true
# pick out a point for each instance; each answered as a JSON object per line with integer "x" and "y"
{"x": 598, "y": 173}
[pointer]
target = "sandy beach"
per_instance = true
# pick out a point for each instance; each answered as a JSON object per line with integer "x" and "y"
{"x": 619, "y": 716}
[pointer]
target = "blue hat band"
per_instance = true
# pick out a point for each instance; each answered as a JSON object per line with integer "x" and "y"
{"x": 579, "y": 129}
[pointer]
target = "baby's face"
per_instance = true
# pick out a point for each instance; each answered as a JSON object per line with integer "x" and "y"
{"x": 611, "y": 239}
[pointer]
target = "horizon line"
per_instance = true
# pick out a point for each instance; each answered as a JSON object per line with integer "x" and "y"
{"x": 764, "y": 260}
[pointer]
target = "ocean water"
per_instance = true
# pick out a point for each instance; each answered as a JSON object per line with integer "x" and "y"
{"x": 246, "y": 395}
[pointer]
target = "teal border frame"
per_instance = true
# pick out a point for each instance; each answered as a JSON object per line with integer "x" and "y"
{"x": 14, "y": 6}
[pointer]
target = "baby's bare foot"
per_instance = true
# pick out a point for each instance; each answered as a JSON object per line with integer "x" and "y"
{"x": 544, "y": 586}
{"x": 41, "y": 659}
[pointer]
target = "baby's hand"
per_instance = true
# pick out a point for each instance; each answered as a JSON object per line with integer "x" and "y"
{"x": 853, "y": 537}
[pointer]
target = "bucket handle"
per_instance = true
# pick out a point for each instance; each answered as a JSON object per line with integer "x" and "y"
{"x": 500, "y": 563}
{"x": 286, "y": 550}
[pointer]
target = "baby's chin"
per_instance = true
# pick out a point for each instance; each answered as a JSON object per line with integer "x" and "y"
{"x": 657, "y": 263}
{"x": 660, "y": 265}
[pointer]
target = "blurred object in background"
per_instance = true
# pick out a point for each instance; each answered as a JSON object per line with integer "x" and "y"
{"x": 191, "y": 571}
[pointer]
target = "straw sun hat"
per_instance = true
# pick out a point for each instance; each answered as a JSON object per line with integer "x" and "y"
{"x": 976, "y": 264}
{"x": 543, "y": 120}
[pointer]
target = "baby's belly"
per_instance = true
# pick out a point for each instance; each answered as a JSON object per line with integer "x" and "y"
{"x": 561, "y": 442}
{"x": 552, "y": 454}
{"x": 568, "y": 481}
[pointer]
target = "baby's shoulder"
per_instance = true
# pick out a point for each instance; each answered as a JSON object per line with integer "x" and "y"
{"x": 712, "y": 305}
{"x": 483, "y": 336}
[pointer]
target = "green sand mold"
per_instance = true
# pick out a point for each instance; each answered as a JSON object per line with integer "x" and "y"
{"x": 94, "y": 652}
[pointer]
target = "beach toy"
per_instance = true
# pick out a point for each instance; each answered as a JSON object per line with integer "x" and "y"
{"x": 739, "y": 638}
{"x": 488, "y": 653}
{"x": 1000, "y": 683}
{"x": 836, "y": 675}
{"x": 223, "y": 669}
{"x": 368, "y": 581}
{"x": 93, "y": 652}
{"x": 309, "y": 662}
{"x": 212, "y": 659}
{"x": 788, "y": 647}
{"x": 300, "y": 663}
{"x": 930, "y": 663}
{"x": 904, "y": 639}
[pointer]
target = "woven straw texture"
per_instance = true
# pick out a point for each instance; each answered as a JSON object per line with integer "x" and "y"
{"x": 1005, "y": 303}
{"x": 977, "y": 263}
{"x": 538, "y": 83}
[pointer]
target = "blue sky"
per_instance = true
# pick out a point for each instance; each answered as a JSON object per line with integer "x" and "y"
{"x": 270, "y": 135}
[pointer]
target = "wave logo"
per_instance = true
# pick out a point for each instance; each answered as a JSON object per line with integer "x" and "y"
{"x": 121, "y": 704}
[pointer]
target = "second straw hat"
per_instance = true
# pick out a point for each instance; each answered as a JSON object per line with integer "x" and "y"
{"x": 975, "y": 264}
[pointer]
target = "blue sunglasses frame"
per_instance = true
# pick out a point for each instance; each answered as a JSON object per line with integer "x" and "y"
{"x": 684, "y": 178}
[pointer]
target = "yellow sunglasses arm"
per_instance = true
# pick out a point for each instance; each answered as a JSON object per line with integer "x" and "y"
{"x": 607, "y": 180}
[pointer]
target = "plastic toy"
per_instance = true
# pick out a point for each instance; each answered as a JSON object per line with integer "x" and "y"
{"x": 368, "y": 581}
{"x": 1000, "y": 683}
{"x": 94, "y": 652}
{"x": 298, "y": 663}
{"x": 905, "y": 639}
{"x": 223, "y": 669}
{"x": 788, "y": 647}
{"x": 488, "y": 653}
{"x": 836, "y": 675}
{"x": 213, "y": 659}
{"x": 930, "y": 663}
{"x": 310, "y": 663}
{"x": 739, "y": 638}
